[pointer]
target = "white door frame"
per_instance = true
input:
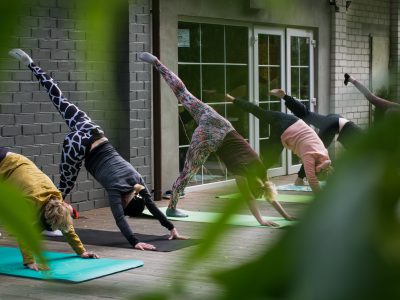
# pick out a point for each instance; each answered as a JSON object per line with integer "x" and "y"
{"x": 308, "y": 34}
{"x": 255, "y": 87}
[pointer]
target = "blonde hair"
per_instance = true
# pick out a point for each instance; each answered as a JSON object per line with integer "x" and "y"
{"x": 270, "y": 192}
{"x": 57, "y": 215}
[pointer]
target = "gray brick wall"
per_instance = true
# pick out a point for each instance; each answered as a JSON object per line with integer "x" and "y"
{"x": 29, "y": 124}
{"x": 351, "y": 32}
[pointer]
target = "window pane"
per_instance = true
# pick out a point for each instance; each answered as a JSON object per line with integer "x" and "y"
{"x": 213, "y": 169}
{"x": 295, "y": 159}
{"x": 304, "y": 83}
{"x": 212, "y": 43}
{"x": 237, "y": 81}
{"x": 187, "y": 125}
{"x": 262, "y": 49}
{"x": 274, "y": 50}
{"x": 213, "y": 83}
{"x": 236, "y": 44}
{"x": 295, "y": 82}
{"x": 188, "y": 42}
{"x": 275, "y": 78}
{"x": 190, "y": 75}
{"x": 263, "y": 83}
{"x": 304, "y": 51}
{"x": 264, "y": 127}
{"x": 294, "y": 51}
{"x": 239, "y": 119}
{"x": 265, "y": 154}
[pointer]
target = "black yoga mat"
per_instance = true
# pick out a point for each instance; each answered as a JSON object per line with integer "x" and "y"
{"x": 116, "y": 239}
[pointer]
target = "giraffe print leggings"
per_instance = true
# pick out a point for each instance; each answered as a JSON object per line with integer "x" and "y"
{"x": 76, "y": 143}
{"x": 207, "y": 137}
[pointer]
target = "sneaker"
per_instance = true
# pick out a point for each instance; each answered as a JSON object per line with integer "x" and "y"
{"x": 167, "y": 195}
{"x": 346, "y": 78}
{"x": 176, "y": 213}
{"x": 21, "y": 55}
{"x": 52, "y": 233}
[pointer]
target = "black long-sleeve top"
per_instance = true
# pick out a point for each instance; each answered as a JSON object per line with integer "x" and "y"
{"x": 118, "y": 177}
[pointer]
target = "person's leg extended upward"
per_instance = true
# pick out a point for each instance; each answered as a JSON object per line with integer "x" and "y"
{"x": 207, "y": 137}
{"x": 77, "y": 142}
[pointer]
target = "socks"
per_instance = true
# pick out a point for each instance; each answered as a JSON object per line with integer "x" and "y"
{"x": 147, "y": 57}
{"x": 21, "y": 56}
{"x": 346, "y": 78}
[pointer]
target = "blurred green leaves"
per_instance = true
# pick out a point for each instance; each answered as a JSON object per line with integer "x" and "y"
{"x": 348, "y": 243}
{"x": 20, "y": 218}
{"x": 10, "y": 12}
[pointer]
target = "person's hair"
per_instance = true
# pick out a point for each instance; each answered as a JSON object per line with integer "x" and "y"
{"x": 325, "y": 173}
{"x": 58, "y": 215}
{"x": 270, "y": 191}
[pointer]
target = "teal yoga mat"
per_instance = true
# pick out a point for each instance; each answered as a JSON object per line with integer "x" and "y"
{"x": 280, "y": 198}
{"x": 296, "y": 188}
{"x": 212, "y": 217}
{"x": 64, "y": 266}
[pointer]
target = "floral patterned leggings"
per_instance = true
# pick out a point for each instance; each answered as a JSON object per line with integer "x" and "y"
{"x": 207, "y": 137}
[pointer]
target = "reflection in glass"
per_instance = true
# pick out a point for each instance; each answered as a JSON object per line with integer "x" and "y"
{"x": 294, "y": 51}
{"x": 263, "y": 83}
{"x": 295, "y": 159}
{"x": 236, "y": 39}
{"x": 190, "y": 75}
{"x": 264, "y": 128}
{"x": 265, "y": 150}
{"x": 304, "y": 83}
{"x": 275, "y": 78}
{"x": 304, "y": 51}
{"x": 237, "y": 81}
{"x": 239, "y": 119}
{"x": 212, "y": 43}
{"x": 187, "y": 125}
{"x": 182, "y": 157}
{"x": 295, "y": 73}
{"x": 188, "y": 42}
{"x": 262, "y": 49}
{"x": 213, "y": 169}
{"x": 274, "y": 50}
{"x": 213, "y": 85}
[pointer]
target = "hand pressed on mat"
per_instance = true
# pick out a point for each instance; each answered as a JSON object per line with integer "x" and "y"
{"x": 174, "y": 235}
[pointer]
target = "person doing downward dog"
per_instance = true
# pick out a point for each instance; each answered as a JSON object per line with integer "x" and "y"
{"x": 328, "y": 126}
{"x": 38, "y": 188}
{"x": 216, "y": 134}
{"x": 127, "y": 192}
{"x": 295, "y": 135}
{"x": 387, "y": 106}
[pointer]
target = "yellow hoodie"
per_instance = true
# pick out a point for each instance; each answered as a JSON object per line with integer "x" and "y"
{"x": 37, "y": 187}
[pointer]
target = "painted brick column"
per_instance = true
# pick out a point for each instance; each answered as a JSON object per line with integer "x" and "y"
{"x": 338, "y": 57}
{"x": 140, "y": 90}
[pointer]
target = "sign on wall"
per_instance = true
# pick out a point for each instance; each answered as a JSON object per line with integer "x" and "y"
{"x": 183, "y": 38}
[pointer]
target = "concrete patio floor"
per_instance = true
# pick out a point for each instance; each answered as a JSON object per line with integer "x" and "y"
{"x": 161, "y": 269}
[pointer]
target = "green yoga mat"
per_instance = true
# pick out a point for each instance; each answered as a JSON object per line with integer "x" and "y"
{"x": 280, "y": 198}
{"x": 63, "y": 266}
{"x": 212, "y": 217}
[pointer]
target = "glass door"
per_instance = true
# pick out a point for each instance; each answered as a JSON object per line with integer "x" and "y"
{"x": 300, "y": 76}
{"x": 269, "y": 73}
